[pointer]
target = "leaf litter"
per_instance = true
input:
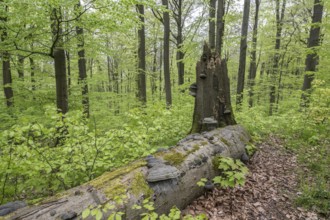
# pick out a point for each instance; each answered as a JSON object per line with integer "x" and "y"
{"x": 268, "y": 193}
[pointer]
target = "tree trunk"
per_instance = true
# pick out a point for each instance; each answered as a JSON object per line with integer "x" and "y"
{"x": 212, "y": 24}
{"x": 167, "y": 73}
{"x": 82, "y": 67}
{"x": 242, "y": 56}
{"x": 20, "y": 68}
{"x": 253, "y": 63}
{"x": 142, "y": 87}
{"x": 276, "y": 59}
{"x": 169, "y": 185}
{"x": 212, "y": 93}
{"x": 220, "y": 26}
{"x": 6, "y": 71}
{"x": 68, "y": 61}
{"x": 312, "y": 57}
{"x": 59, "y": 64}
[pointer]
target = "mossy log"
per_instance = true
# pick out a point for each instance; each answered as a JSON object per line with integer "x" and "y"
{"x": 189, "y": 161}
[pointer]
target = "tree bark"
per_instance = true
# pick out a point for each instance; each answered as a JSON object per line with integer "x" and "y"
{"x": 142, "y": 86}
{"x": 276, "y": 59}
{"x": 212, "y": 11}
{"x": 253, "y": 62}
{"x": 136, "y": 181}
{"x": 312, "y": 57}
{"x": 82, "y": 67}
{"x": 166, "y": 57}
{"x": 20, "y": 68}
{"x": 59, "y": 63}
{"x": 242, "y": 56}
{"x": 6, "y": 71}
{"x": 220, "y": 26}
{"x": 212, "y": 93}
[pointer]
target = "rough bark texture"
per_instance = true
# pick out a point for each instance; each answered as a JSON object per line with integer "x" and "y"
{"x": 242, "y": 55}
{"x": 253, "y": 63}
{"x": 211, "y": 92}
{"x": 192, "y": 159}
{"x": 313, "y": 42}
{"x": 212, "y": 24}
{"x": 167, "y": 76}
{"x": 142, "y": 86}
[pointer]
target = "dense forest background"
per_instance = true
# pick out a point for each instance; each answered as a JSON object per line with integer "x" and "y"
{"x": 91, "y": 85}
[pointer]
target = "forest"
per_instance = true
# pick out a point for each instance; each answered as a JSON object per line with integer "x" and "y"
{"x": 89, "y": 86}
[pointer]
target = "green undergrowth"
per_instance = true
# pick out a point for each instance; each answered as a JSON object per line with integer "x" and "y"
{"x": 41, "y": 154}
{"x": 305, "y": 132}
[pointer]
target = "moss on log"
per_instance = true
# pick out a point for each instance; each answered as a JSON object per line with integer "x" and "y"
{"x": 192, "y": 157}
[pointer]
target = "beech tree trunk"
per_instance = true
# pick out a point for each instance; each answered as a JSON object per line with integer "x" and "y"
{"x": 253, "y": 62}
{"x": 212, "y": 93}
{"x": 59, "y": 64}
{"x": 280, "y": 12}
{"x": 212, "y": 11}
{"x": 82, "y": 67}
{"x": 312, "y": 57}
{"x": 220, "y": 26}
{"x": 166, "y": 185}
{"x": 242, "y": 56}
{"x": 20, "y": 68}
{"x": 166, "y": 57}
{"x": 142, "y": 86}
{"x": 6, "y": 71}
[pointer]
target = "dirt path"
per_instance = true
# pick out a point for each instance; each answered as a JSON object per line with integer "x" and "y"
{"x": 267, "y": 194}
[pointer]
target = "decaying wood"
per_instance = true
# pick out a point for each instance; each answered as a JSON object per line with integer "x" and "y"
{"x": 190, "y": 160}
{"x": 212, "y": 93}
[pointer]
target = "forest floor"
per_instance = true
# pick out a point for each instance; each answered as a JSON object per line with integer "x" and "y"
{"x": 268, "y": 193}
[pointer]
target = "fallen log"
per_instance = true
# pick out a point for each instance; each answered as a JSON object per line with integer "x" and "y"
{"x": 168, "y": 178}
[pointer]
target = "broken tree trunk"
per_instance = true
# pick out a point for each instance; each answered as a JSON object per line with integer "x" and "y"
{"x": 168, "y": 178}
{"x": 212, "y": 93}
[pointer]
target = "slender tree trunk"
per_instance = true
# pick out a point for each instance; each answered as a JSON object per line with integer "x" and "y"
{"x": 253, "y": 63}
{"x": 167, "y": 76}
{"x": 68, "y": 61}
{"x": 6, "y": 72}
{"x": 276, "y": 59}
{"x": 242, "y": 57}
{"x": 212, "y": 24}
{"x": 154, "y": 69}
{"x": 20, "y": 68}
{"x": 32, "y": 68}
{"x": 220, "y": 26}
{"x": 59, "y": 63}
{"x": 312, "y": 58}
{"x": 82, "y": 67}
{"x": 161, "y": 52}
{"x": 179, "y": 41}
{"x": 142, "y": 85}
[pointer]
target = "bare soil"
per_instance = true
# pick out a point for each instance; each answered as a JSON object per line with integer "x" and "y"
{"x": 269, "y": 191}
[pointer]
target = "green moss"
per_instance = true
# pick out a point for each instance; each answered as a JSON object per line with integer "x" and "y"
{"x": 116, "y": 189}
{"x": 225, "y": 141}
{"x": 204, "y": 142}
{"x": 104, "y": 179}
{"x": 196, "y": 147}
{"x": 110, "y": 183}
{"x": 216, "y": 162}
{"x": 140, "y": 186}
{"x": 174, "y": 158}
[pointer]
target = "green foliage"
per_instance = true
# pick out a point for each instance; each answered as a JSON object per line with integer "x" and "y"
{"x": 43, "y": 155}
{"x": 175, "y": 213}
{"x": 233, "y": 172}
{"x": 250, "y": 149}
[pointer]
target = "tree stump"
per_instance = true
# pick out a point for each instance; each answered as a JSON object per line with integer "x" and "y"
{"x": 212, "y": 93}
